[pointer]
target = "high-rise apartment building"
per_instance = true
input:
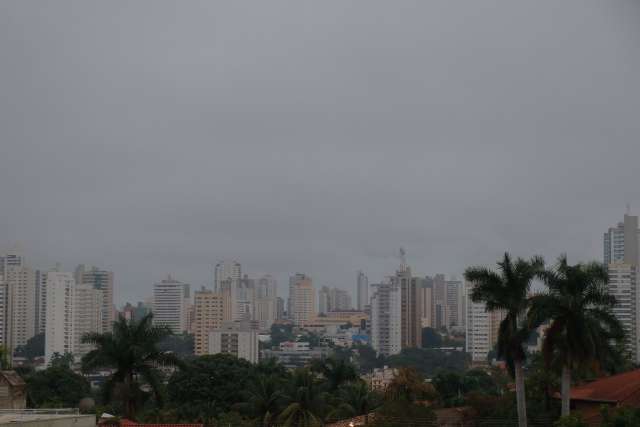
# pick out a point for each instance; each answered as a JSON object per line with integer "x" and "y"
{"x": 171, "y": 304}
{"x": 87, "y": 316}
{"x": 59, "y": 332}
{"x": 333, "y": 299}
{"x": 386, "y": 318}
{"x": 20, "y": 285}
{"x": 266, "y": 287}
{"x": 411, "y": 331}
{"x": 455, "y": 316}
{"x": 622, "y": 257}
{"x": 324, "y": 300}
{"x": 73, "y": 310}
{"x": 279, "y": 308}
{"x": 236, "y": 338}
{"x": 440, "y": 314}
{"x": 101, "y": 280}
{"x": 482, "y": 328}
{"x": 426, "y": 302}
{"x": 266, "y": 301}
{"x": 302, "y": 299}
{"x": 362, "y": 287}
{"x": 226, "y": 271}
{"x": 209, "y": 315}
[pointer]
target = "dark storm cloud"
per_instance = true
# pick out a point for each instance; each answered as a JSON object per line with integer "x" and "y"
{"x": 156, "y": 137}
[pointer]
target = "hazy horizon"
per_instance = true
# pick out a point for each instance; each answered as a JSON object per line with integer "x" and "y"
{"x": 150, "y": 138}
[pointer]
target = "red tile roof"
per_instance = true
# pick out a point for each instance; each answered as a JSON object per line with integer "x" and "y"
{"x": 619, "y": 389}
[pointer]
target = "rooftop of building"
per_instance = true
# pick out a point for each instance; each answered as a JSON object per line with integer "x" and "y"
{"x": 619, "y": 389}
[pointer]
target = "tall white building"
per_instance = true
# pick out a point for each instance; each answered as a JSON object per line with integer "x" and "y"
{"x": 171, "y": 304}
{"x": 21, "y": 305}
{"x": 362, "y": 290}
{"x": 101, "y": 280}
{"x": 386, "y": 318}
{"x": 622, "y": 257}
{"x": 226, "y": 270}
{"x": 481, "y": 328}
{"x": 302, "y": 299}
{"x": 59, "y": 331}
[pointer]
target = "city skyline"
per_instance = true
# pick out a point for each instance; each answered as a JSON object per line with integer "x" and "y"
{"x": 316, "y": 142}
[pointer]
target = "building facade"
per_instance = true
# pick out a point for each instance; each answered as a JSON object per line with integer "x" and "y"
{"x": 235, "y": 338}
{"x": 621, "y": 252}
{"x": 208, "y": 308}
{"x": 101, "y": 280}
{"x": 482, "y": 328}
{"x": 386, "y": 319}
{"x": 362, "y": 291}
{"x": 302, "y": 299}
{"x": 171, "y": 305}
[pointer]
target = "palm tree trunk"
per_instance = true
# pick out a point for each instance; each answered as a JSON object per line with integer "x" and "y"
{"x": 566, "y": 390}
{"x": 520, "y": 394}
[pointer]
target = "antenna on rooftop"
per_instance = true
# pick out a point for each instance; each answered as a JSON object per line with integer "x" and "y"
{"x": 628, "y": 209}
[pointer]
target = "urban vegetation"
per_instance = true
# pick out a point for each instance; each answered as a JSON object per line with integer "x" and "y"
{"x": 156, "y": 378}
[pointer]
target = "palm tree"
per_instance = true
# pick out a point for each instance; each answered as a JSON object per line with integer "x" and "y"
{"x": 507, "y": 291}
{"x": 356, "y": 399}
{"x": 304, "y": 401}
{"x": 263, "y": 399}
{"x": 131, "y": 351}
{"x": 583, "y": 328}
{"x": 335, "y": 371}
{"x": 408, "y": 384}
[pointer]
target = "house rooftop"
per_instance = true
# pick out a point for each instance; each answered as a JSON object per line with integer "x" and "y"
{"x": 619, "y": 389}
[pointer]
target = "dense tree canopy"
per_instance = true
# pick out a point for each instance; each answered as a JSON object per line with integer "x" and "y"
{"x": 209, "y": 386}
{"x": 33, "y": 348}
{"x": 57, "y": 386}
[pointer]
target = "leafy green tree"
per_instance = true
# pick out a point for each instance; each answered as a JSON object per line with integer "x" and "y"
{"x": 208, "y": 386}
{"x": 507, "y": 290}
{"x": 181, "y": 345}
{"x": 335, "y": 371}
{"x": 56, "y": 386}
{"x": 263, "y": 400}
{"x": 431, "y": 338}
{"x": 428, "y": 361}
{"x": 570, "y": 421}
{"x": 304, "y": 401}
{"x": 281, "y": 333}
{"x": 620, "y": 417}
{"x": 4, "y": 358}
{"x": 33, "y": 348}
{"x": 542, "y": 383}
{"x": 367, "y": 359}
{"x": 582, "y": 325}
{"x": 354, "y": 399}
{"x": 131, "y": 350}
{"x": 409, "y": 385}
{"x": 271, "y": 367}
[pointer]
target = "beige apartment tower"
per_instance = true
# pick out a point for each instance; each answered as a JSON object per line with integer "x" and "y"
{"x": 302, "y": 299}
{"x": 208, "y": 315}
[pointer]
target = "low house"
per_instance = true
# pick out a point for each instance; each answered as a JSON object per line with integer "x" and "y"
{"x": 13, "y": 391}
{"x": 614, "y": 391}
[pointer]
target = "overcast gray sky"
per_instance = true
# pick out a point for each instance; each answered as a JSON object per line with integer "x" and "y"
{"x": 156, "y": 137}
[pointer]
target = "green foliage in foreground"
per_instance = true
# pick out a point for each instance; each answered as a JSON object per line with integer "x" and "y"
{"x": 57, "y": 386}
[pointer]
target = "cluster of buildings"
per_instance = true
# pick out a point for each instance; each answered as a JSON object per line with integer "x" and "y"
{"x": 621, "y": 256}
{"x": 61, "y": 305}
